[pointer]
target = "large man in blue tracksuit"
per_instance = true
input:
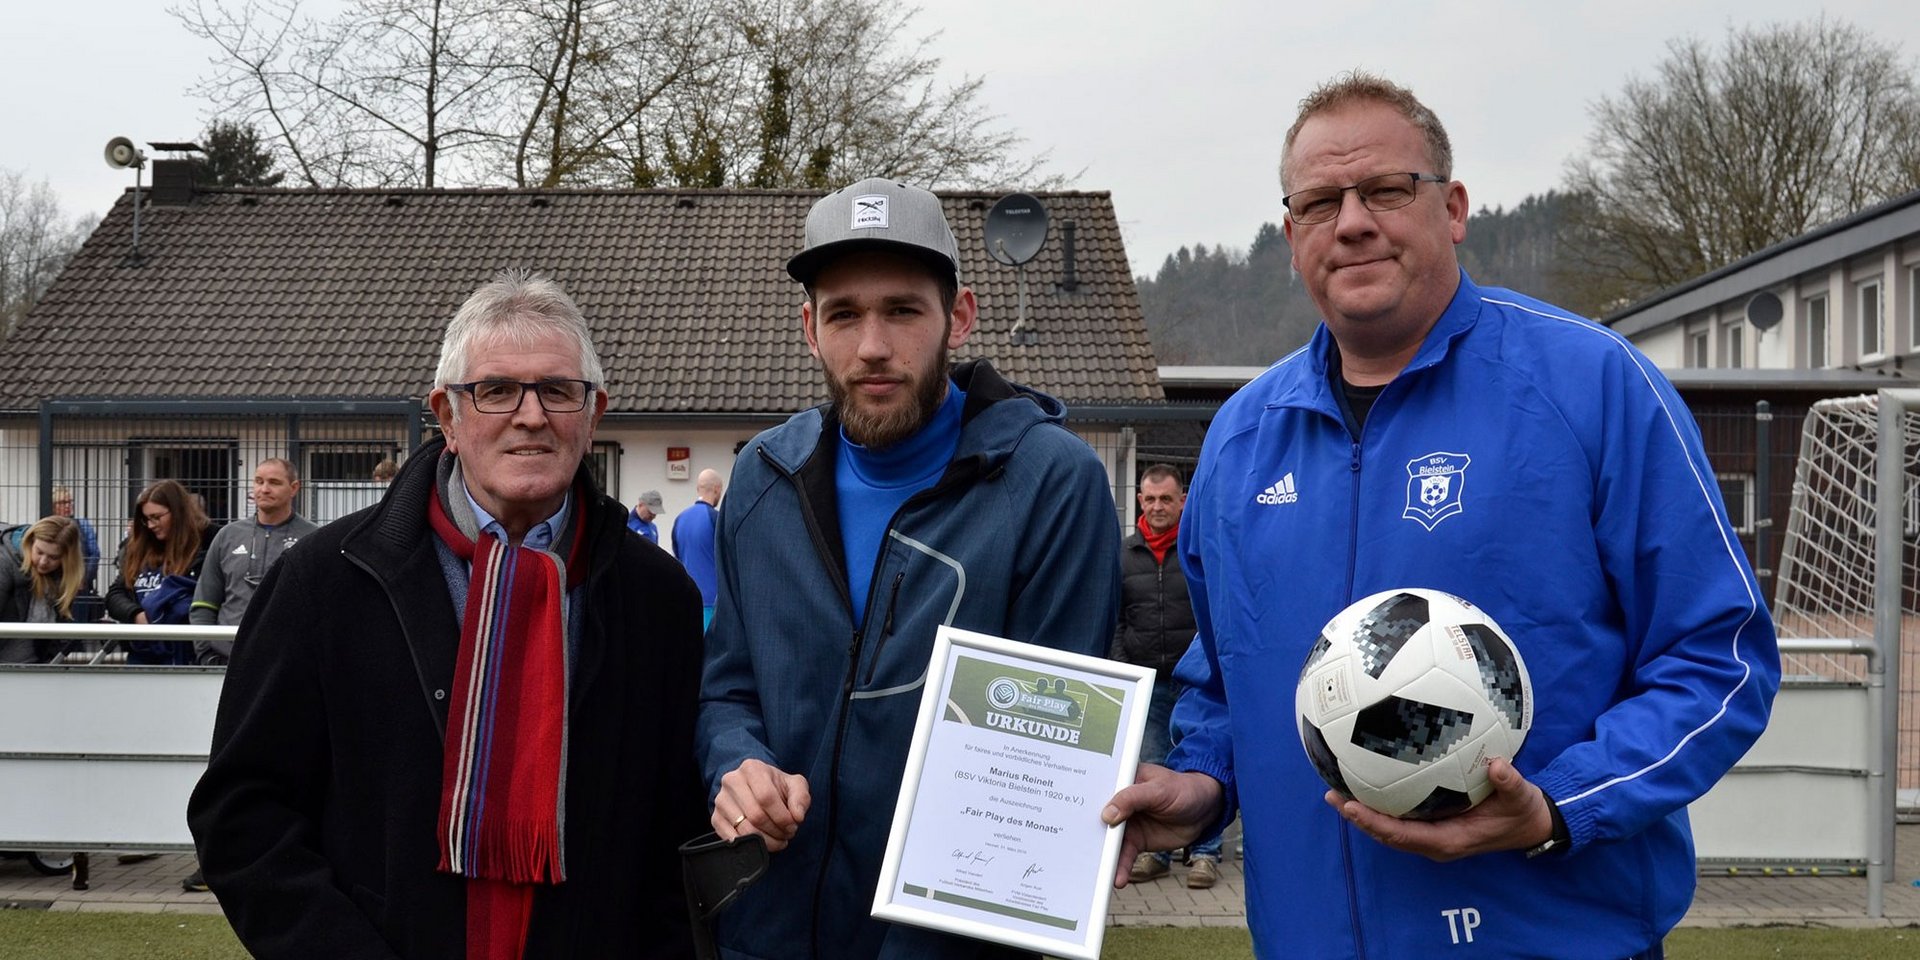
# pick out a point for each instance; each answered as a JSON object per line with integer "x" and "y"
{"x": 1439, "y": 434}
{"x": 918, "y": 497}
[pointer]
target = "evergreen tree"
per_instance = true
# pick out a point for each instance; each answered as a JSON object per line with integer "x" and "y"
{"x": 233, "y": 156}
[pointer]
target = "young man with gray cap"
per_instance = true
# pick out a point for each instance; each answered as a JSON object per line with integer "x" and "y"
{"x": 918, "y": 496}
{"x": 640, "y": 518}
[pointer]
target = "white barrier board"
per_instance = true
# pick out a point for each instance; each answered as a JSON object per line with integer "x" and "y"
{"x": 1800, "y": 793}
{"x": 100, "y": 758}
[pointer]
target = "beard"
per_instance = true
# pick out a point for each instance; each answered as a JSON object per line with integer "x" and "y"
{"x": 879, "y": 428}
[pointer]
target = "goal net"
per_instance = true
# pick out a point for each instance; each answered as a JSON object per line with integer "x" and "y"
{"x": 1825, "y": 587}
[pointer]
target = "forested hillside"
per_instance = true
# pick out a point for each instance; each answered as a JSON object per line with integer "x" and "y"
{"x": 1222, "y": 305}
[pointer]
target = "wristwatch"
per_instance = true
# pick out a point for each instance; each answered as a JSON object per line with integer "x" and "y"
{"x": 1560, "y": 836}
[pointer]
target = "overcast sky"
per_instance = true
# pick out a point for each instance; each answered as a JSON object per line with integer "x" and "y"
{"x": 1178, "y": 114}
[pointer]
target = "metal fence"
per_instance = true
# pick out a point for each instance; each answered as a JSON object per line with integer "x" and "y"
{"x": 103, "y": 453}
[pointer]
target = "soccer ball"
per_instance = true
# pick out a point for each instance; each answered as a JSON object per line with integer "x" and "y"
{"x": 1406, "y": 696}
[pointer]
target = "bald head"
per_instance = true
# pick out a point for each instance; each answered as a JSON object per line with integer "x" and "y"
{"x": 708, "y": 486}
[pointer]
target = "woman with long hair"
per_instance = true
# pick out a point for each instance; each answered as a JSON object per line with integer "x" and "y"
{"x": 159, "y": 565}
{"x": 40, "y": 587}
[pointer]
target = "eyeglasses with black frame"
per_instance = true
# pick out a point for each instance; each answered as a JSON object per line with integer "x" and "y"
{"x": 1388, "y": 191}
{"x": 504, "y": 396}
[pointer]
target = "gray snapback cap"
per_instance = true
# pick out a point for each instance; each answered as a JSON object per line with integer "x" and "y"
{"x": 652, "y": 499}
{"x": 876, "y": 213}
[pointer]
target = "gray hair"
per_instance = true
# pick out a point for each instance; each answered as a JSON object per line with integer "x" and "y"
{"x": 516, "y": 308}
{"x": 292, "y": 472}
{"x": 1359, "y": 86}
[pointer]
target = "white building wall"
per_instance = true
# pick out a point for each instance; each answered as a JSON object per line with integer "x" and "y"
{"x": 19, "y": 471}
{"x": 1774, "y": 349}
{"x": 643, "y": 463}
{"x": 1666, "y": 347}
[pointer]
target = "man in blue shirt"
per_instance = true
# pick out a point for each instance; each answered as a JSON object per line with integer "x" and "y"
{"x": 645, "y": 510}
{"x": 922, "y": 494}
{"x": 693, "y": 533}
{"x": 1440, "y": 434}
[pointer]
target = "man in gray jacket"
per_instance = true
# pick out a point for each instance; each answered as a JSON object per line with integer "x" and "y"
{"x": 919, "y": 496}
{"x": 237, "y": 560}
{"x": 241, "y": 553}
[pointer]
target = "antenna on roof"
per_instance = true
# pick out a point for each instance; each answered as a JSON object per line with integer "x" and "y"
{"x": 1016, "y": 230}
{"x": 1764, "y": 310}
{"x": 121, "y": 154}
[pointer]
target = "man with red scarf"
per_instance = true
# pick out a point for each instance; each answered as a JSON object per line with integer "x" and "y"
{"x": 458, "y": 724}
{"x": 1156, "y": 626}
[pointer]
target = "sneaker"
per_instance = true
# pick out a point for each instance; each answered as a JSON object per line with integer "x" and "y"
{"x": 194, "y": 883}
{"x": 1148, "y": 867}
{"x": 1204, "y": 873}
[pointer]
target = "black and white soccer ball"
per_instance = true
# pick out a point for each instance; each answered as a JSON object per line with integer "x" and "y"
{"x": 1406, "y": 696}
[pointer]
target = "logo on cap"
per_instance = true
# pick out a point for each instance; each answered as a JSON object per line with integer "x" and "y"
{"x": 870, "y": 212}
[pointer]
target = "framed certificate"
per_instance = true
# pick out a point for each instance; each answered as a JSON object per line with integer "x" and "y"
{"x": 997, "y": 833}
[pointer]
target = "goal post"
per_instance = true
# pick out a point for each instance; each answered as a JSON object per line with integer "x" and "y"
{"x": 1847, "y": 607}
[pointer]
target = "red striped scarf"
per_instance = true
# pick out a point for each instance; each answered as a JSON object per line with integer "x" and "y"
{"x": 503, "y": 777}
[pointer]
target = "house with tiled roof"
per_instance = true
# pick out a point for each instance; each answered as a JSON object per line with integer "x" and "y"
{"x": 246, "y": 323}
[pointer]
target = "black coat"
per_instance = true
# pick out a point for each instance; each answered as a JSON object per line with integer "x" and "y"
{"x": 315, "y": 821}
{"x": 1156, "y": 615}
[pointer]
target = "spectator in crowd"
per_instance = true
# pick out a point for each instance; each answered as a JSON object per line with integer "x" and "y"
{"x": 38, "y": 584}
{"x": 159, "y": 568}
{"x": 641, "y": 519}
{"x": 89, "y": 540}
{"x": 1436, "y": 433}
{"x": 693, "y": 537}
{"x": 243, "y": 551}
{"x": 922, "y": 494}
{"x": 385, "y": 470}
{"x": 459, "y": 723}
{"x": 237, "y": 563}
{"x": 1156, "y": 627}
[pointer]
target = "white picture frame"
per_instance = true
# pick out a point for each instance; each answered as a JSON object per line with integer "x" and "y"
{"x": 1004, "y": 843}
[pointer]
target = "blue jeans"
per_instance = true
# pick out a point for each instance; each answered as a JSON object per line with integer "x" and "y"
{"x": 1159, "y": 742}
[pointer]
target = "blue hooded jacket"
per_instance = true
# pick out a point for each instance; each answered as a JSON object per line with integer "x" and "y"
{"x": 1539, "y": 466}
{"x": 1018, "y": 539}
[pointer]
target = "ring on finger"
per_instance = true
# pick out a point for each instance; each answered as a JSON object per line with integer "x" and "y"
{"x": 739, "y": 819}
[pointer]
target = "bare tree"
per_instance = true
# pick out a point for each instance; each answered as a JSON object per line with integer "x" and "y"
{"x": 595, "y": 71}
{"x": 391, "y": 92}
{"x": 36, "y": 241}
{"x": 817, "y": 92}
{"x": 1727, "y": 151}
{"x": 616, "y": 93}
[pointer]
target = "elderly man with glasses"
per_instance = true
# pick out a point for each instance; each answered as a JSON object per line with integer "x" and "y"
{"x": 459, "y": 723}
{"x": 1437, "y": 433}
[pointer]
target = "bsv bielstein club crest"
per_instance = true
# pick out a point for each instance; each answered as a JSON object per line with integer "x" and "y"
{"x": 1435, "y": 483}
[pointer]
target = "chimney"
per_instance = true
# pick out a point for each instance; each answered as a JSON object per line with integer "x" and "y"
{"x": 172, "y": 182}
{"x": 1067, "y": 280}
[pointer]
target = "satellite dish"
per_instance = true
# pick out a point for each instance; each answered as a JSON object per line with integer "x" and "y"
{"x": 1764, "y": 311}
{"x": 121, "y": 154}
{"x": 1016, "y": 228}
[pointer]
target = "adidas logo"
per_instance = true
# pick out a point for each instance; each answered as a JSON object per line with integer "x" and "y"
{"x": 240, "y": 551}
{"x": 1279, "y": 493}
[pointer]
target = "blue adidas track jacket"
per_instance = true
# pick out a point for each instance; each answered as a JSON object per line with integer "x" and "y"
{"x": 1539, "y": 466}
